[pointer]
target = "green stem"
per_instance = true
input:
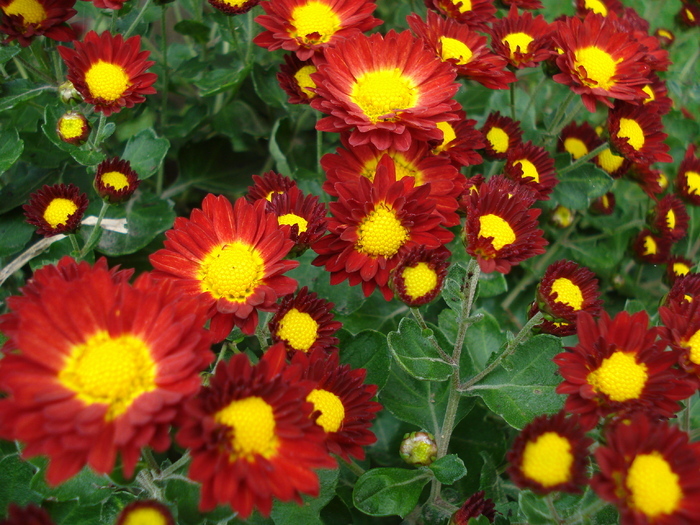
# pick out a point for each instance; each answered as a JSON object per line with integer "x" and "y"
{"x": 74, "y": 242}
{"x": 554, "y": 513}
{"x": 169, "y": 471}
{"x": 249, "y": 26}
{"x": 95, "y": 233}
{"x": 424, "y": 326}
{"x": 98, "y": 133}
{"x": 354, "y": 467}
{"x": 585, "y": 158}
{"x": 150, "y": 460}
{"x": 319, "y": 148}
{"x": 582, "y": 516}
{"x": 23, "y": 65}
{"x": 166, "y": 78}
{"x": 138, "y": 18}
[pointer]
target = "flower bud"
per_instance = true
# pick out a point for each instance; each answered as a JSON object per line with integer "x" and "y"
{"x": 562, "y": 217}
{"x": 418, "y": 448}
{"x": 73, "y": 128}
{"x": 68, "y": 94}
{"x": 475, "y": 506}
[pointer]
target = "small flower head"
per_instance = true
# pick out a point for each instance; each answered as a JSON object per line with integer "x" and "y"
{"x": 689, "y": 15}
{"x": 678, "y": 266}
{"x": 476, "y": 14}
{"x": 635, "y": 132}
{"x": 652, "y": 181}
{"x": 24, "y": 20}
{"x": 302, "y": 215}
{"x": 669, "y": 218}
{"x": 562, "y": 217}
{"x": 476, "y": 505}
{"x": 683, "y": 293}
{"x": 295, "y": 78}
{"x": 523, "y": 40}
{"x": 665, "y": 36}
{"x": 29, "y": 515}
{"x": 419, "y": 276}
{"x": 68, "y": 94}
{"x": 234, "y": 7}
{"x": 604, "y": 205}
{"x": 459, "y": 143}
{"x": 657, "y": 96}
{"x": 578, "y": 139}
{"x": 614, "y": 165}
{"x": 56, "y": 209}
{"x": 602, "y": 7}
{"x": 683, "y": 334}
{"x": 650, "y": 248}
{"x": 418, "y": 448}
{"x": 115, "y": 181}
{"x": 502, "y": 134}
{"x": 145, "y": 512}
{"x": 532, "y": 167}
{"x": 267, "y": 185}
{"x": 688, "y": 179}
{"x": 72, "y": 127}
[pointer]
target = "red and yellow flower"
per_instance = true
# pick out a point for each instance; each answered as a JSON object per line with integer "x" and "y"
{"x": 268, "y": 184}
{"x": 683, "y": 293}
{"x": 651, "y": 248}
{"x": 502, "y": 134}
{"x": 56, "y": 209}
{"x": 307, "y": 27}
{"x": 295, "y": 78}
{"x": 115, "y": 181}
{"x": 419, "y": 276}
{"x": 231, "y": 257}
{"x": 476, "y": 14}
{"x": 689, "y": 15}
{"x": 657, "y": 96}
{"x": 532, "y": 167}
{"x": 688, "y": 179}
{"x": 653, "y": 182}
{"x": 234, "y": 7}
{"x": 24, "y": 20}
{"x": 669, "y": 218}
{"x": 636, "y": 133}
{"x": 303, "y": 216}
{"x": 251, "y": 435}
{"x": 368, "y": 87}
{"x": 614, "y": 165}
{"x": 603, "y": 205}
{"x": 523, "y": 40}
{"x": 459, "y": 141}
{"x": 683, "y": 323}
{"x": 146, "y": 511}
{"x": 99, "y": 368}
{"x": 109, "y": 72}
{"x": 73, "y": 128}
{"x": 602, "y": 7}
{"x": 578, "y": 139}
{"x": 678, "y": 266}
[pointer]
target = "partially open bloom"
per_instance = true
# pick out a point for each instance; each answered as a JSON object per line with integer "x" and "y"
{"x": 419, "y": 276}
{"x": 476, "y": 14}
{"x": 650, "y": 471}
{"x": 689, "y": 15}
{"x": 652, "y": 181}
{"x": 234, "y": 7}
{"x": 614, "y": 165}
{"x": 252, "y": 437}
{"x": 310, "y": 26}
{"x": 369, "y": 87}
{"x": 688, "y": 179}
{"x": 578, "y": 139}
{"x": 295, "y": 78}
{"x": 268, "y": 184}
{"x": 56, "y": 209}
{"x": 72, "y": 127}
{"x": 657, "y": 96}
{"x": 651, "y": 248}
{"x": 523, "y": 40}
{"x": 502, "y": 135}
{"x": 562, "y": 217}
{"x": 29, "y": 515}
{"x": 678, "y": 266}
{"x": 24, "y": 20}
{"x": 459, "y": 143}
{"x": 304, "y": 322}
{"x": 231, "y": 258}
{"x": 476, "y": 505}
{"x": 602, "y": 7}
{"x": 683, "y": 323}
{"x": 550, "y": 454}
{"x": 115, "y": 181}
{"x": 109, "y": 72}
{"x": 619, "y": 366}
{"x": 665, "y": 36}
{"x": 303, "y": 216}
{"x": 683, "y": 293}
{"x": 99, "y": 367}
{"x": 145, "y": 511}
{"x": 635, "y": 132}
{"x": 532, "y": 167}
{"x": 604, "y": 205}
{"x": 669, "y": 218}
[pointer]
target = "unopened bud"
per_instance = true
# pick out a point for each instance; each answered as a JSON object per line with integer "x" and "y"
{"x": 562, "y": 217}
{"x": 68, "y": 94}
{"x": 418, "y": 448}
{"x": 73, "y": 128}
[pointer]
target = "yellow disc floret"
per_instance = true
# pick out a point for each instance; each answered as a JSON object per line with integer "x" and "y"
{"x": 693, "y": 346}
{"x": 381, "y": 233}
{"x": 115, "y": 179}
{"x": 304, "y": 80}
{"x": 314, "y": 22}
{"x": 71, "y": 127}
{"x": 31, "y": 10}
{"x": 519, "y": 42}
{"x": 499, "y": 140}
{"x": 609, "y": 161}
{"x": 671, "y": 219}
{"x": 108, "y": 370}
{"x": 465, "y": 5}
{"x": 654, "y": 486}
{"x": 59, "y": 211}
{"x": 331, "y": 408}
{"x": 529, "y": 169}
{"x": 107, "y": 81}
{"x": 650, "y": 246}
{"x": 453, "y": 49}
{"x": 498, "y": 228}
{"x": 292, "y": 219}
{"x": 632, "y": 131}
{"x": 419, "y": 280}
{"x": 298, "y": 329}
{"x": 693, "y": 178}
{"x": 231, "y": 271}
{"x": 383, "y": 93}
{"x": 448, "y": 135}
{"x": 680, "y": 269}
{"x": 252, "y": 424}
{"x": 620, "y": 377}
{"x": 568, "y": 293}
{"x": 600, "y": 67}
{"x": 651, "y": 96}
{"x": 548, "y": 459}
{"x": 145, "y": 516}
{"x": 576, "y": 147}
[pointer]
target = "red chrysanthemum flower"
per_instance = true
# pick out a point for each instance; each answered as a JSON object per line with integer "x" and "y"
{"x": 109, "y": 72}
{"x": 251, "y": 435}
{"x": 476, "y": 505}
{"x": 25, "y": 20}
{"x": 651, "y": 248}
{"x": 650, "y": 471}
{"x": 267, "y": 185}
{"x": 231, "y": 258}
{"x": 464, "y": 48}
{"x": 99, "y": 368}
{"x": 343, "y": 401}
{"x": 578, "y": 139}
{"x": 304, "y": 322}
{"x": 688, "y": 178}
{"x": 652, "y": 182}
{"x": 678, "y": 266}
{"x": 444, "y": 181}
{"x": 234, "y": 7}
{"x": 502, "y": 134}
{"x": 657, "y": 96}
{"x": 689, "y": 15}
{"x": 146, "y": 511}
{"x": 565, "y": 290}
{"x": 665, "y": 36}
{"x": 501, "y": 229}
{"x": 115, "y": 181}
{"x": 374, "y": 224}
{"x": 614, "y": 165}
{"x": 304, "y": 216}
{"x": 307, "y": 27}
{"x": 523, "y": 40}
{"x": 532, "y": 167}
{"x": 29, "y": 515}
{"x": 635, "y": 132}
{"x": 56, "y": 209}
{"x": 418, "y": 278}
{"x": 683, "y": 293}
{"x": 459, "y": 141}
{"x": 389, "y": 90}
{"x": 599, "y": 61}
{"x": 476, "y": 14}
{"x": 682, "y": 321}
{"x": 603, "y": 205}
{"x": 620, "y": 366}
{"x": 669, "y": 218}
{"x": 602, "y": 7}
{"x": 73, "y": 128}
{"x": 550, "y": 454}
{"x": 295, "y": 78}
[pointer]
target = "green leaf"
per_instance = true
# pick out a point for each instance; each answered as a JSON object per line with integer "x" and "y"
{"x": 578, "y": 187}
{"x": 484, "y": 338}
{"x": 7, "y": 52}
{"x": 414, "y": 352}
{"x": 367, "y": 350}
{"x": 276, "y": 152}
{"x": 145, "y": 151}
{"x": 526, "y": 388}
{"x": 14, "y": 233}
{"x": 220, "y": 80}
{"x": 388, "y": 491}
{"x": 491, "y": 284}
{"x": 19, "y": 182}
{"x": 17, "y": 91}
{"x": 196, "y": 30}
{"x": 534, "y": 508}
{"x": 89, "y": 487}
{"x": 268, "y": 88}
{"x": 449, "y": 469}
{"x": 15, "y": 475}
{"x": 185, "y": 497}
{"x": 452, "y": 291}
{"x": 11, "y": 147}
{"x": 291, "y": 513}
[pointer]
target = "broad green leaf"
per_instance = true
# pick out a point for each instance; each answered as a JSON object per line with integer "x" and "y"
{"x": 196, "y": 30}
{"x": 291, "y": 513}
{"x": 11, "y": 147}
{"x": 448, "y": 469}
{"x": 268, "y": 88}
{"x": 14, "y": 92}
{"x": 89, "y": 487}
{"x": 578, "y": 187}
{"x": 145, "y": 151}
{"x": 15, "y": 476}
{"x": 484, "y": 338}
{"x": 491, "y": 284}
{"x": 15, "y": 233}
{"x": 220, "y": 80}
{"x": 389, "y": 491}
{"x": 7, "y": 52}
{"x": 185, "y": 498}
{"x": 415, "y": 353}
{"x": 526, "y": 388}
{"x": 452, "y": 291}
{"x": 367, "y": 350}
{"x": 534, "y": 508}
{"x": 373, "y": 312}
{"x": 276, "y": 152}
{"x": 19, "y": 182}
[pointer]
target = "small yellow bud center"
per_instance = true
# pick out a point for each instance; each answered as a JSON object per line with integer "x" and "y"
{"x": 252, "y": 424}
{"x": 609, "y": 161}
{"x": 59, "y": 211}
{"x": 693, "y": 346}
{"x": 419, "y": 280}
{"x": 291, "y": 219}
{"x": 548, "y": 459}
{"x": 619, "y": 377}
{"x": 331, "y": 408}
{"x": 499, "y": 140}
{"x": 498, "y": 228}
{"x": 71, "y": 126}
{"x": 453, "y": 49}
{"x": 31, "y": 10}
{"x": 596, "y": 6}
{"x": 576, "y": 147}
{"x": 107, "y": 81}
{"x": 632, "y": 131}
{"x": 298, "y": 329}
{"x": 381, "y": 233}
{"x": 231, "y": 271}
{"x": 654, "y": 487}
{"x": 115, "y": 179}
{"x": 304, "y": 80}
{"x": 383, "y": 93}
{"x": 529, "y": 169}
{"x": 517, "y": 42}
{"x": 693, "y": 178}
{"x": 145, "y": 516}
{"x": 599, "y": 67}
{"x": 567, "y": 293}
{"x": 314, "y": 22}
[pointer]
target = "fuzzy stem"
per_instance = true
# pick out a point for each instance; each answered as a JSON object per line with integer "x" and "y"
{"x": 138, "y": 18}
{"x": 95, "y": 233}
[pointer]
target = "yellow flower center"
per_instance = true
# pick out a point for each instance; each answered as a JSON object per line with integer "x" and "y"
{"x": 599, "y": 66}
{"x": 145, "y": 516}
{"x": 252, "y": 424}
{"x": 680, "y": 269}
{"x": 59, "y": 211}
{"x": 381, "y": 233}
{"x": 499, "y": 140}
{"x": 31, "y": 10}
{"x": 693, "y": 344}
{"x": 576, "y": 147}
{"x": 620, "y": 377}
{"x": 298, "y": 329}
{"x": 650, "y": 247}
{"x": 108, "y": 370}
{"x": 529, "y": 169}
{"x": 596, "y": 6}
{"x": 548, "y": 459}
{"x": 650, "y": 94}
{"x": 70, "y": 127}
{"x": 632, "y": 131}
{"x": 331, "y": 408}
{"x": 232, "y": 271}
{"x": 419, "y": 280}
{"x": 693, "y": 178}
{"x": 662, "y": 180}
{"x": 380, "y": 94}
{"x": 606, "y": 201}
{"x": 689, "y": 14}
{"x": 654, "y": 487}
{"x": 448, "y": 135}
{"x": 517, "y": 42}
{"x": 498, "y": 228}
{"x": 562, "y": 216}
{"x": 304, "y": 80}
{"x": 671, "y": 219}
{"x": 291, "y": 219}
{"x": 107, "y": 81}
{"x": 466, "y": 5}
{"x": 235, "y": 3}
{"x": 314, "y": 22}
{"x": 453, "y": 49}
{"x": 609, "y": 161}
{"x": 568, "y": 293}
{"x": 115, "y": 179}
{"x": 665, "y": 34}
